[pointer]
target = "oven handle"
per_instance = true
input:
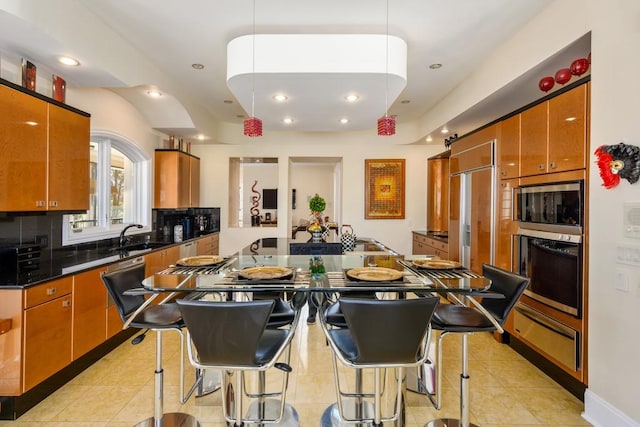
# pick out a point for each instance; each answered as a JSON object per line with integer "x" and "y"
{"x": 569, "y": 238}
{"x": 539, "y": 319}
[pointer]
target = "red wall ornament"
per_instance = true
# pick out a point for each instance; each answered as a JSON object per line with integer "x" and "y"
{"x": 546, "y": 83}
{"x": 563, "y": 75}
{"x": 579, "y": 66}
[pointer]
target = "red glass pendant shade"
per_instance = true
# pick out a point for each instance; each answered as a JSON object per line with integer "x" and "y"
{"x": 386, "y": 126}
{"x": 252, "y": 127}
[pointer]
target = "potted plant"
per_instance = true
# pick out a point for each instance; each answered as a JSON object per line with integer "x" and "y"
{"x": 316, "y": 227}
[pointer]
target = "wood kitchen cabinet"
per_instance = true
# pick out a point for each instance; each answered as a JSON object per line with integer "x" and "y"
{"x": 47, "y": 330}
{"x": 45, "y": 155}
{"x": 208, "y": 245}
{"x": 438, "y": 192}
{"x": 68, "y": 160}
{"x": 89, "y": 311}
{"x": 506, "y": 225}
{"x": 509, "y": 148}
{"x": 554, "y": 134}
{"x": 177, "y": 179}
{"x": 157, "y": 261}
{"x": 423, "y": 245}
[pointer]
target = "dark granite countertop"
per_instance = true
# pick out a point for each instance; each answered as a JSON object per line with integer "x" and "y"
{"x": 442, "y": 236}
{"x": 72, "y": 260}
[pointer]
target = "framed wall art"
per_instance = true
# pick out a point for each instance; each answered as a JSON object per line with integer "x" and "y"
{"x": 28, "y": 75}
{"x": 384, "y": 188}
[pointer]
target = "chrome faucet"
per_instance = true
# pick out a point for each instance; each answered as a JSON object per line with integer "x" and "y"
{"x": 123, "y": 240}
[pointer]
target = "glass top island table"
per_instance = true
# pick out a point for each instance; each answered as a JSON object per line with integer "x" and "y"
{"x": 228, "y": 275}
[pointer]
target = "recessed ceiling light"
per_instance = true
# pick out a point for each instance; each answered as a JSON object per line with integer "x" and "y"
{"x": 228, "y": 101}
{"x": 344, "y": 121}
{"x": 444, "y": 130}
{"x": 428, "y": 138}
{"x": 154, "y": 93}
{"x": 287, "y": 120}
{"x": 197, "y": 66}
{"x": 200, "y": 137}
{"x": 352, "y": 98}
{"x": 67, "y": 60}
{"x": 435, "y": 66}
{"x": 405, "y": 101}
{"x": 280, "y": 97}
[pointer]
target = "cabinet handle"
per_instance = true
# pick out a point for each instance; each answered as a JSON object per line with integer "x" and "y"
{"x": 541, "y": 166}
{"x": 552, "y": 165}
{"x": 40, "y": 203}
{"x": 53, "y": 203}
{"x": 51, "y": 291}
{"x": 66, "y": 303}
{"x": 503, "y": 173}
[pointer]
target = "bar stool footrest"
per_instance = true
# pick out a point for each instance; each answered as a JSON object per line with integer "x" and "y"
{"x": 447, "y": 422}
{"x": 290, "y": 416}
{"x": 172, "y": 419}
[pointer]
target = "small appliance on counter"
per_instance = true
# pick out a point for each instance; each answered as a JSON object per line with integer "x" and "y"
{"x": 20, "y": 258}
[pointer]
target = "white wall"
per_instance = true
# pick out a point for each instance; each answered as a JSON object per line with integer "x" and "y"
{"x": 395, "y": 233}
{"x": 614, "y": 316}
{"x": 309, "y": 179}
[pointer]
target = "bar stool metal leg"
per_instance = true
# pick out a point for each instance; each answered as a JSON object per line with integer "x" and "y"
{"x": 159, "y": 419}
{"x": 464, "y": 394}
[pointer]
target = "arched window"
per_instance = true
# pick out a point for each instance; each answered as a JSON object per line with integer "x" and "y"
{"x": 120, "y": 186}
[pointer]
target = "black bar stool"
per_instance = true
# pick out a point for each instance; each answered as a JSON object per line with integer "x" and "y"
{"x": 236, "y": 337}
{"x": 124, "y": 287}
{"x": 486, "y": 316}
{"x": 380, "y": 334}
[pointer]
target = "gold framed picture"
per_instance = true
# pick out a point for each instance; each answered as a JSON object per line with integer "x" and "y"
{"x": 384, "y": 188}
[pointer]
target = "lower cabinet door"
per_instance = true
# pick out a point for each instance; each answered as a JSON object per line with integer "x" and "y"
{"x": 47, "y": 340}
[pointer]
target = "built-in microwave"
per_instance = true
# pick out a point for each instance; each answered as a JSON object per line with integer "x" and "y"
{"x": 557, "y": 207}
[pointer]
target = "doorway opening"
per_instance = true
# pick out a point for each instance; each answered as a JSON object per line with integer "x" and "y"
{"x": 311, "y": 175}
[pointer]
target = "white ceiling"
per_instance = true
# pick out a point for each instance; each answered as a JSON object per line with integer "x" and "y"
{"x": 132, "y": 45}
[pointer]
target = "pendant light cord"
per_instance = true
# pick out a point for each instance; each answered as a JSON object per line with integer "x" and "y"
{"x": 386, "y": 91}
{"x": 253, "y": 62}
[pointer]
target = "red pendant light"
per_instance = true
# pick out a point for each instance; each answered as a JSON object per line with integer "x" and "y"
{"x": 386, "y": 126}
{"x": 387, "y": 123}
{"x": 252, "y": 127}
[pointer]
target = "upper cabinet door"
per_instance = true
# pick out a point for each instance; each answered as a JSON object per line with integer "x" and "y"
{"x": 68, "y": 160}
{"x": 568, "y": 130}
{"x": 194, "y": 180}
{"x": 533, "y": 140}
{"x": 509, "y": 148}
{"x": 23, "y": 144}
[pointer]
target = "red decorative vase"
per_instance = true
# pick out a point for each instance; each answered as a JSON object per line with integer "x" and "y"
{"x": 563, "y": 75}
{"x": 546, "y": 83}
{"x": 579, "y": 66}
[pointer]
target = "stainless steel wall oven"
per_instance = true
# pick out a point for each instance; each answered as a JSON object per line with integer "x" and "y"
{"x": 553, "y": 262}
{"x": 549, "y": 250}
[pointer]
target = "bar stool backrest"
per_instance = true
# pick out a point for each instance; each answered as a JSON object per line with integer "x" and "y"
{"x": 509, "y": 284}
{"x": 388, "y": 331}
{"x": 227, "y": 333}
{"x": 119, "y": 281}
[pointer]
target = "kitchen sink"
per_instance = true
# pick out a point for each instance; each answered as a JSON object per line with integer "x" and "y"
{"x": 142, "y": 246}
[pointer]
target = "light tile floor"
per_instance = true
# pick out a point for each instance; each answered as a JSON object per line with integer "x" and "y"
{"x": 117, "y": 391}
